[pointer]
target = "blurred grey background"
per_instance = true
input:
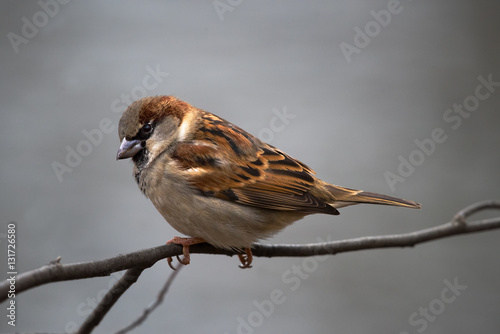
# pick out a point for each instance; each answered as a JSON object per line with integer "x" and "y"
{"x": 360, "y": 89}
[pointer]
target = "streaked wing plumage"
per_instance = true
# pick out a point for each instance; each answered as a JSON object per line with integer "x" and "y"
{"x": 226, "y": 162}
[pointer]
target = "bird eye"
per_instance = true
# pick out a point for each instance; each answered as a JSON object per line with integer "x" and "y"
{"x": 146, "y": 128}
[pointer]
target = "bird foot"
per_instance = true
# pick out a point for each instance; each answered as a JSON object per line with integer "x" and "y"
{"x": 246, "y": 259}
{"x": 185, "y": 243}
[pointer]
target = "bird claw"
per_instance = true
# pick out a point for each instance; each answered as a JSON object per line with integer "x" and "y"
{"x": 169, "y": 261}
{"x": 185, "y": 243}
{"x": 185, "y": 261}
{"x": 246, "y": 259}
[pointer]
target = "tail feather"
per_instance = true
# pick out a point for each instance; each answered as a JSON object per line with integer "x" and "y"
{"x": 345, "y": 196}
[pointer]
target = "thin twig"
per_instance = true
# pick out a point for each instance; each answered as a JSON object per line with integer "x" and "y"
{"x": 462, "y": 215}
{"x": 159, "y": 299}
{"x": 111, "y": 297}
{"x": 146, "y": 258}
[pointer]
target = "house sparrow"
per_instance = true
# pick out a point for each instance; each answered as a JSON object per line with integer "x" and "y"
{"x": 216, "y": 183}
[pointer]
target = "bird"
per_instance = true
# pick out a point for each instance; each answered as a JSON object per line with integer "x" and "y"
{"x": 216, "y": 183}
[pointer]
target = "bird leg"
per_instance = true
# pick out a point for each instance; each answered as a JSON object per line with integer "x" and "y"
{"x": 185, "y": 242}
{"x": 246, "y": 259}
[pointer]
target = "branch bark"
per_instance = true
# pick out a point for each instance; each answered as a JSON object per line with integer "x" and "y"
{"x": 155, "y": 304}
{"x": 111, "y": 297}
{"x": 56, "y": 271}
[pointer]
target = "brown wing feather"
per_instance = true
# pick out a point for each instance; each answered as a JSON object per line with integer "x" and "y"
{"x": 226, "y": 162}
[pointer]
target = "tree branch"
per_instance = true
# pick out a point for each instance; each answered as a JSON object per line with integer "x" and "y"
{"x": 155, "y": 304}
{"x": 55, "y": 271}
{"x": 107, "y": 302}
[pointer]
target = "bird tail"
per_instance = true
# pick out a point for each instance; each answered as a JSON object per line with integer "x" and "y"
{"x": 345, "y": 196}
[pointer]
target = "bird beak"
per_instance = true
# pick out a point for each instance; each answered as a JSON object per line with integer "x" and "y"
{"x": 128, "y": 149}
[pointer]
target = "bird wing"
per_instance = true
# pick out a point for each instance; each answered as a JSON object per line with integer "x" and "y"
{"x": 224, "y": 161}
